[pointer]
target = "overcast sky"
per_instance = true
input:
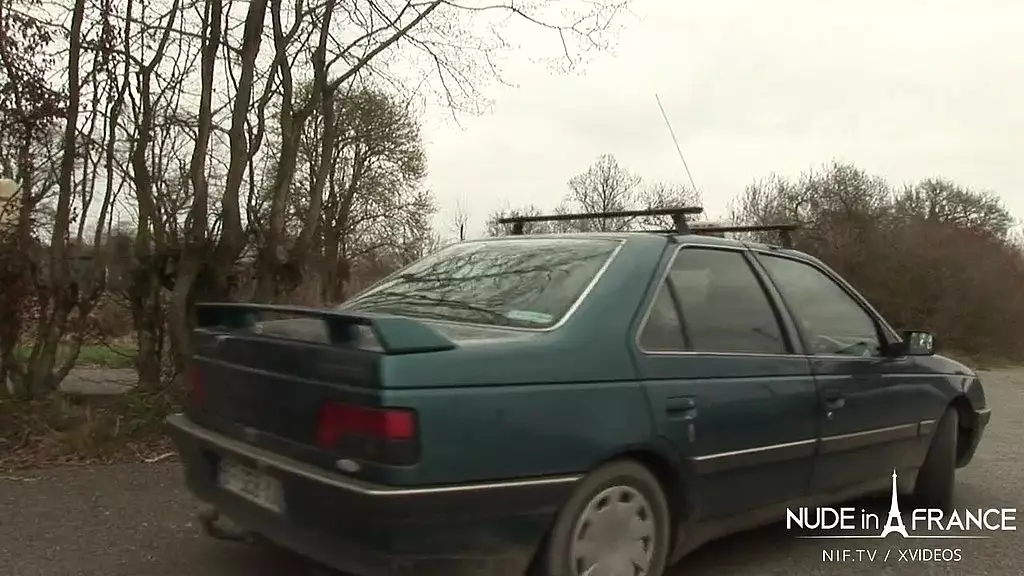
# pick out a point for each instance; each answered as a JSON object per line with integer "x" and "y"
{"x": 906, "y": 89}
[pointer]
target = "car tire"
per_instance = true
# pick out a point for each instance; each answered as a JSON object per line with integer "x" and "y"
{"x": 936, "y": 478}
{"x": 587, "y": 525}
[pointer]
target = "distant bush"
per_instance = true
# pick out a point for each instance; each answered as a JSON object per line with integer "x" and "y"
{"x": 932, "y": 256}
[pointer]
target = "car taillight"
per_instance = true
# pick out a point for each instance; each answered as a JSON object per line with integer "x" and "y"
{"x": 382, "y": 435}
{"x": 196, "y": 387}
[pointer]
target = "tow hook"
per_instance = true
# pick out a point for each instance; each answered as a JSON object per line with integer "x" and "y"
{"x": 212, "y": 524}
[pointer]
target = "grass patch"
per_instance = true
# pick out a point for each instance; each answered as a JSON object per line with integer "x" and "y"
{"x": 94, "y": 355}
{"x": 64, "y": 429}
{"x": 107, "y": 356}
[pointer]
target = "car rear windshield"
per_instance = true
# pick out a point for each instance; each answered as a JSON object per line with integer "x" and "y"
{"x": 524, "y": 283}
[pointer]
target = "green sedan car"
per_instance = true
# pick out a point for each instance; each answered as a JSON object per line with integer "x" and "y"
{"x": 592, "y": 404}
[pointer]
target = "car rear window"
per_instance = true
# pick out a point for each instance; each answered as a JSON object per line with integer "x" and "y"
{"x": 523, "y": 283}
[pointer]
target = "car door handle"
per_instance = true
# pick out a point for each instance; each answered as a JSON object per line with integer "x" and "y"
{"x": 835, "y": 403}
{"x": 684, "y": 406}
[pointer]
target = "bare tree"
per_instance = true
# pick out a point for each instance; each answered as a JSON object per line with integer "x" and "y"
{"x": 604, "y": 186}
{"x": 940, "y": 200}
{"x": 375, "y": 202}
{"x": 156, "y": 243}
{"x": 431, "y": 29}
{"x": 179, "y": 110}
{"x": 495, "y": 228}
{"x": 67, "y": 276}
{"x": 460, "y": 220}
{"x": 30, "y": 112}
{"x": 665, "y": 194}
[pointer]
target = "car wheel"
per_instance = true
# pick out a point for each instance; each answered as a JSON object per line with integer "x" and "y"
{"x": 935, "y": 480}
{"x": 616, "y": 523}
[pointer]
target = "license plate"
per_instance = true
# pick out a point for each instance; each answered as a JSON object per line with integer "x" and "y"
{"x": 251, "y": 484}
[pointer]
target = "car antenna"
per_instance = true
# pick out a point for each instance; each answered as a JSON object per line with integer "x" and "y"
{"x": 675, "y": 141}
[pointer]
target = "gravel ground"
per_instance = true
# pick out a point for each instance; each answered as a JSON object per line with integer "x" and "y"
{"x": 136, "y": 520}
{"x": 88, "y": 381}
{"x": 99, "y": 381}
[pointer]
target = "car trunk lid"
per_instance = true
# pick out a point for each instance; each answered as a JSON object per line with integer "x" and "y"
{"x": 309, "y": 386}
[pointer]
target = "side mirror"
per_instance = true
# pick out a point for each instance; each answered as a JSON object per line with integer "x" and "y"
{"x": 917, "y": 343}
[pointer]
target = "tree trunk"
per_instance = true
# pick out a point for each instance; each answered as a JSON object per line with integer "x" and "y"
{"x": 147, "y": 319}
{"x": 59, "y": 293}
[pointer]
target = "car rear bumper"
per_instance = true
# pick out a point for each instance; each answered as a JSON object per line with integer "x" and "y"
{"x": 976, "y": 426}
{"x": 369, "y": 529}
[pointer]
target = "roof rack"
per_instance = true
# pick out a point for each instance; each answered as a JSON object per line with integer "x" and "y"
{"x": 678, "y": 217}
{"x": 785, "y": 231}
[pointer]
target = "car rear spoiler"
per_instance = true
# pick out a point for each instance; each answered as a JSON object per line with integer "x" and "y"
{"x": 396, "y": 334}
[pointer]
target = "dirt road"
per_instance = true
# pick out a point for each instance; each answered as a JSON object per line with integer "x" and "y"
{"x": 136, "y": 520}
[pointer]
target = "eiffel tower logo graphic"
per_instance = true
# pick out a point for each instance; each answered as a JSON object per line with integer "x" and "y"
{"x": 895, "y": 521}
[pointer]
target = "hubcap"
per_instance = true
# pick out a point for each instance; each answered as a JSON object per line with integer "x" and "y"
{"x": 614, "y": 535}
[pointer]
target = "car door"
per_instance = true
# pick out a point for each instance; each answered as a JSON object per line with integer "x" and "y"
{"x": 725, "y": 385}
{"x": 870, "y": 404}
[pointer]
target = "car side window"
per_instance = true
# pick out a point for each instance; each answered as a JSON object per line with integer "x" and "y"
{"x": 663, "y": 332}
{"x": 724, "y": 306}
{"x": 832, "y": 321}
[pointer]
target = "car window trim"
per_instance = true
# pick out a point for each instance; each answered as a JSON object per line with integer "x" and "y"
{"x": 770, "y": 295}
{"x": 885, "y": 332}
